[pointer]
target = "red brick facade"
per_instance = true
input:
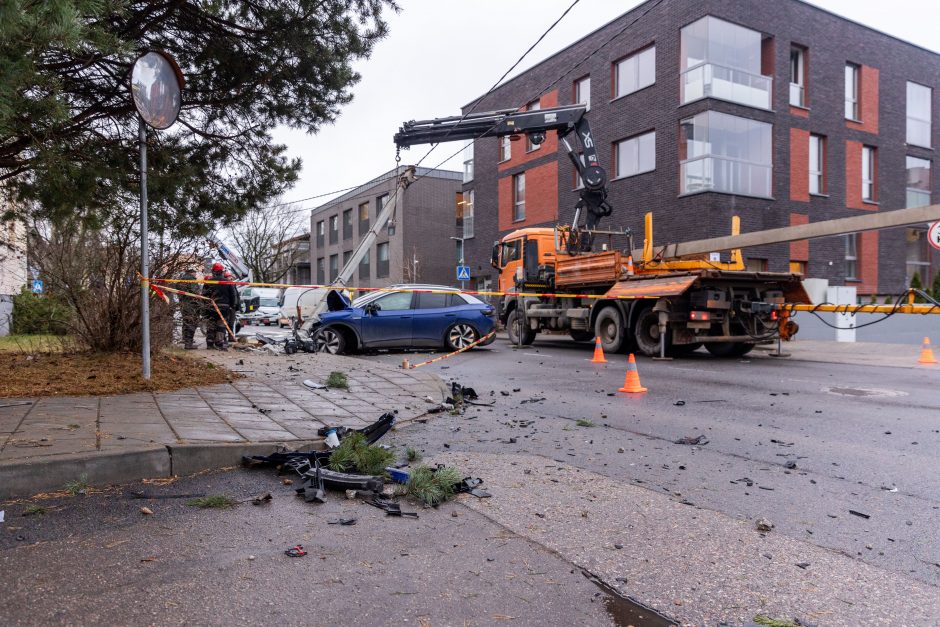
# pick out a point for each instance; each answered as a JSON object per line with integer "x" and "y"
{"x": 799, "y": 251}
{"x": 867, "y": 263}
{"x": 541, "y": 197}
{"x": 799, "y": 165}
{"x": 867, "y": 101}
{"x": 853, "y": 177}
{"x": 548, "y": 147}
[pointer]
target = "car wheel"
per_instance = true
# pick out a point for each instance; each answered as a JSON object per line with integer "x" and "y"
{"x": 646, "y": 333}
{"x": 330, "y": 341}
{"x": 610, "y": 328}
{"x": 460, "y": 336}
{"x": 729, "y": 349}
{"x": 513, "y": 322}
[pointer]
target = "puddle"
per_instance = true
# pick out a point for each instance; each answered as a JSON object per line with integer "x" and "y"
{"x": 626, "y": 612}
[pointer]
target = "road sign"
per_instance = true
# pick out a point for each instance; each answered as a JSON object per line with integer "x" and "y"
{"x": 463, "y": 273}
{"x": 37, "y": 286}
{"x": 933, "y": 235}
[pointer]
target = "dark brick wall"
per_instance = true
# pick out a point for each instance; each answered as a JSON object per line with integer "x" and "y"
{"x": 830, "y": 42}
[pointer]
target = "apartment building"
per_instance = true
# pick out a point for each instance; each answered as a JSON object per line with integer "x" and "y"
{"x": 416, "y": 247}
{"x": 779, "y": 112}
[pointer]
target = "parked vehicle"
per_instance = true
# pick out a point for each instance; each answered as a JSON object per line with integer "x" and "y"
{"x": 261, "y": 305}
{"x": 446, "y": 318}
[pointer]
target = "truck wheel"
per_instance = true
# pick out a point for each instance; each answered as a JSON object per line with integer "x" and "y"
{"x": 513, "y": 322}
{"x": 610, "y": 328}
{"x": 582, "y": 336}
{"x": 646, "y": 333}
{"x": 729, "y": 349}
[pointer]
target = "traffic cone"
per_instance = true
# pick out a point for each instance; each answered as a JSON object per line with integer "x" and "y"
{"x": 926, "y": 353}
{"x": 631, "y": 384}
{"x": 630, "y": 271}
{"x": 598, "y": 352}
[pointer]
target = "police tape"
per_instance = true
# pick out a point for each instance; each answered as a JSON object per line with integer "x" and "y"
{"x": 449, "y": 355}
{"x": 163, "y": 288}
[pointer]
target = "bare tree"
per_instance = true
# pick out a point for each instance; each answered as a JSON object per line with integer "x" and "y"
{"x": 410, "y": 269}
{"x": 263, "y": 239}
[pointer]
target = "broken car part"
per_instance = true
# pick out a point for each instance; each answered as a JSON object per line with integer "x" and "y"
{"x": 391, "y": 508}
{"x": 295, "y": 551}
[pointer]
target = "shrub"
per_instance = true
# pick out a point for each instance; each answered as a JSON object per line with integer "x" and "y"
{"x": 38, "y": 315}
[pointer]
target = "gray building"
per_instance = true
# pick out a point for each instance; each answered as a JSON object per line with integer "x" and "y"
{"x": 779, "y": 112}
{"x": 418, "y": 249}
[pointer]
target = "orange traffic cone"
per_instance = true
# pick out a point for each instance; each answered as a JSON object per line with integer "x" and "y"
{"x": 926, "y": 353}
{"x": 630, "y": 271}
{"x": 598, "y": 352}
{"x": 631, "y": 384}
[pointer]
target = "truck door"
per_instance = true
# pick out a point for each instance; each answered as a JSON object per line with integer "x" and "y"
{"x": 510, "y": 258}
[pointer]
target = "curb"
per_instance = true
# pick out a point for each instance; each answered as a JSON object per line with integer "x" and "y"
{"x": 189, "y": 459}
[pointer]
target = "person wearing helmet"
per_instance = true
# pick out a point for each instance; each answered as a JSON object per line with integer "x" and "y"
{"x": 189, "y": 308}
{"x": 225, "y": 296}
{"x": 231, "y": 316}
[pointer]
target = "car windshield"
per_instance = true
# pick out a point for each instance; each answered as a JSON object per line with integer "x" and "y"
{"x": 269, "y": 302}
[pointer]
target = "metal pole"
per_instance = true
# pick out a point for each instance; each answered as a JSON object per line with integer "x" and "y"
{"x": 463, "y": 254}
{"x": 144, "y": 253}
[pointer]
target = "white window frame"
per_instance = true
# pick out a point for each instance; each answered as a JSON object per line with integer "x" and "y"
{"x": 535, "y": 105}
{"x": 853, "y": 74}
{"x": 851, "y": 256}
{"x": 634, "y": 144}
{"x": 505, "y": 149}
{"x": 798, "y": 86}
{"x": 468, "y": 163}
{"x": 913, "y": 118}
{"x": 582, "y": 91}
{"x": 869, "y": 165}
{"x": 518, "y": 205}
{"x": 914, "y": 190}
{"x": 648, "y": 53}
{"x": 817, "y": 170}
{"x": 468, "y": 200}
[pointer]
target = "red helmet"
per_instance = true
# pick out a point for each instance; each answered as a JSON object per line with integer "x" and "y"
{"x": 227, "y": 275}
{"x": 217, "y": 267}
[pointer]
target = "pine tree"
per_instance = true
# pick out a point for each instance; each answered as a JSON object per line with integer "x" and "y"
{"x": 917, "y": 285}
{"x": 936, "y": 286}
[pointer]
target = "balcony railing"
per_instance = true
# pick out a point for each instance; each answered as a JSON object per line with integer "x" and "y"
{"x": 467, "y": 227}
{"x": 709, "y": 80}
{"x": 718, "y": 174}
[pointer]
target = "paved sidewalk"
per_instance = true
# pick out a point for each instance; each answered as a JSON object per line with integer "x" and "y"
{"x": 47, "y": 441}
{"x": 853, "y": 353}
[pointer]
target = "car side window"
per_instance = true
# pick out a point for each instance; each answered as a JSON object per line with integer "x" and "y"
{"x": 435, "y": 301}
{"x": 397, "y": 301}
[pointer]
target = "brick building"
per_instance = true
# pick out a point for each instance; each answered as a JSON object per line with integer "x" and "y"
{"x": 779, "y": 112}
{"x": 417, "y": 249}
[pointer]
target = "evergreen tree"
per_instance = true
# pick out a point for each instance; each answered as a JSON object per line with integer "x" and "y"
{"x": 68, "y": 129}
{"x": 936, "y": 286}
{"x": 917, "y": 285}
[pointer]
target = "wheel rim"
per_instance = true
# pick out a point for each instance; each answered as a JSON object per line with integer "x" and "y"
{"x": 328, "y": 341}
{"x": 461, "y": 336}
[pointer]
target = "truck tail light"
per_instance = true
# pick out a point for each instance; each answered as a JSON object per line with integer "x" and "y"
{"x": 773, "y": 314}
{"x": 700, "y": 316}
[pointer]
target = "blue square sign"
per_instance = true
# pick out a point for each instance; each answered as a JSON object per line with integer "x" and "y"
{"x": 37, "y": 286}
{"x": 463, "y": 273}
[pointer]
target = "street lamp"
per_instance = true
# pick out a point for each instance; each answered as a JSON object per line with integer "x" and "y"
{"x": 461, "y": 240}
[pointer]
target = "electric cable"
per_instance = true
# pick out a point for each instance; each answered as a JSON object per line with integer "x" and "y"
{"x": 856, "y": 309}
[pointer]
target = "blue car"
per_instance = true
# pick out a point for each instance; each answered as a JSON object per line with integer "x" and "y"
{"x": 447, "y": 319}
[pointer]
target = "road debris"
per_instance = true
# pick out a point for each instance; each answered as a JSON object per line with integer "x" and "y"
{"x": 859, "y": 514}
{"x": 391, "y": 508}
{"x": 803, "y": 565}
{"x": 295, "y": 551}
{"x": 264, "y": 499}
{"x": 314, "y": 385}
{"x": 700, "y": 440}
{"x": 790, "y": 464}
{"x": 146, "y": 511}
{"x": 345, "y": 522}
{"x": 679, "y": 403}
{"x": 764, "y": 525}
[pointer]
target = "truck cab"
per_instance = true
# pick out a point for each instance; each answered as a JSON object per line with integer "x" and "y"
{"x": 507, "y": 253}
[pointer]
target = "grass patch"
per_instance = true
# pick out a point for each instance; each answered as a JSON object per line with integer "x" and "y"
{"x": 412, "y": 455}
{"x": 584, "y": 422}
{"x": 76, "y": 486}
{"x": 31, "y": 343}
{"x": 760, "y": 619}
{"x": 90, "y": 374}
{"x": 35, "y": 510}
{"x": 355, "y": 454}
{"x": 337, "y": 380}
{"x": 433, "y": 486}
{"x": 212, "y": 502}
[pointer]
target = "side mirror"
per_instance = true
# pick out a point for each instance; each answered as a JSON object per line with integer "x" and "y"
{"x": 372, "y": 308}
{"x": 494, "y": 259}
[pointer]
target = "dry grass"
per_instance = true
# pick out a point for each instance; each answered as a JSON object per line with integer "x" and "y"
{"x": 90, "y": 374}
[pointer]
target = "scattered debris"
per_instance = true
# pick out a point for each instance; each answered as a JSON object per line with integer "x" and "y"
{"x": 295, "y": 551}
{"x": 345, "y": 522}
{"x": 313, "y": 385}
{"x": 790, "y": 464}
{"x": 32, "y": 510}
{"x": 471, "y": 485}
{"x": 76, "y": 487}
{"x": 3, "y": 513}
{"x": 146, "y": 511}
{"x": 351, "y": 494}
{"x": 412, "y": 455}
{"x": 145, "y": 495}
{"x": 433, "y": 486}
{"x": 391, "y": 508}
{"x": 287, "y": 481}
{"x": 16, "y": 404}
{"x": 397, "y": 474}
{"x": 458, "y": 391}
{"x": 356, "y": 454}
{"x": 803, "y": 565}
{"x": 212, "y": 502}
{"x": 584, "y": 422}
{"x": 679, "y": 403}
{"x": 764, "y": 525}
{"x": 760, "y": 619}
{"x": 700, "y": 440}
{"x": 264, "y": 499}
{"x": 442, "y": 407}
{"x": 859, "y": 514}
{"x": 337, "y": 380}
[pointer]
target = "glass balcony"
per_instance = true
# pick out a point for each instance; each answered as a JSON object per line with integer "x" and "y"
{"x": 709, "y": 80}
{"x": 796, "y": 95}
{"x": 718, "y": 174}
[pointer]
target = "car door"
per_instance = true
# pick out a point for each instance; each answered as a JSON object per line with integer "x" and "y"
{"x": 390, "y": 324}
{"x": 432, "y": 317}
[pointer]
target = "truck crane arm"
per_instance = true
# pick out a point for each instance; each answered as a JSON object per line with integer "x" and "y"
{"x": 534, "y": 124}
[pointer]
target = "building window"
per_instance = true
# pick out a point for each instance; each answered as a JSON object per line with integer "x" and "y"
{"x": 535, "y": 105}
{"x": 918, "y": 114}
{"x": 918, "y": 182}
{"x": 635, "y": 72}
{"x": 364, "y": 274}
{"x": 347, "y": 224}
{"x": 321, "y": 232}
{"x": 334, "y": 229}
{"x": 505, "y": 148}
{"x": 723, "y": 60}
{"x": 918, "y": 255}
{"x": 468, "y": 162}
{"x": 851, "y": 92}
{"x": 467, "y": 213}
{"x": 459, "y": 258}
{"x": 334, "y": 267}
{"x": 635, "y": 155}
{"x": 582, "y": 91}
{"x": 851, "y": 256}
{"x": 321, "y": 271}
{"x": 725, "y": 153}
{"x": 363, "y": 218}
{"x": 798, "y": 267}
{"x": 755, "y": 264}
{"x": 869, "y": 172}
{"x": 518, "y": 197}
{"x": 817, "y": 164}
{"x": 381, "y": 260}
{"x": 379, "y": 205}
{"x": 798, "y": 76}
{"x": 346, "y": 255}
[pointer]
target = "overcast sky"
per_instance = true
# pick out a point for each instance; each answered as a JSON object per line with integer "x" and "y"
{"x": 441, "y": 54}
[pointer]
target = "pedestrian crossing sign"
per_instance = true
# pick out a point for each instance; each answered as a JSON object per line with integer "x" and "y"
{"x": 463, "y": 273}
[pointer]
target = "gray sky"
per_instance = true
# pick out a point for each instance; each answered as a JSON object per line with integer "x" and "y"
{"x": 435, "y": 60}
